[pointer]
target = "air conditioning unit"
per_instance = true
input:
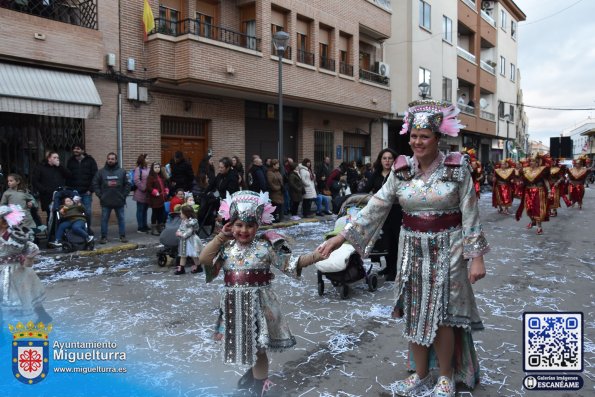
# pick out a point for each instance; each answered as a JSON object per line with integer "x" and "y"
{"x": 384, "y": 69}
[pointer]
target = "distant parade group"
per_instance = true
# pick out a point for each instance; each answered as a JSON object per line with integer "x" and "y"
{"x": 539, "y": 182}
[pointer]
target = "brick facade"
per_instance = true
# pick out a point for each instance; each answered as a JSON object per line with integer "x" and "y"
{"x": 200, "y": 78}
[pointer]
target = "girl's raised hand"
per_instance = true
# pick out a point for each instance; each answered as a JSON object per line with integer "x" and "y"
{"x": 227, "y": 229}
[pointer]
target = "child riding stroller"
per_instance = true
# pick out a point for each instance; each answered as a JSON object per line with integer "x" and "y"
{"x": 345, "y": 265}
{"x": 70, "y": 242}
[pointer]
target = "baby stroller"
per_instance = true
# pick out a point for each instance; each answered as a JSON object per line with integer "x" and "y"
{"x": 345, "y": 265}
{"x": 207, "y": 214}
{"x": 70, "y": 242}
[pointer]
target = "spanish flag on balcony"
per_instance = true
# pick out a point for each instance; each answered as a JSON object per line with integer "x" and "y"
{"x": 148, "y": 19}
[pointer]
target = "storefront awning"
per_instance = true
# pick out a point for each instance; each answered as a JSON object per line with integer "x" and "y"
{"x": 47, "y": 92}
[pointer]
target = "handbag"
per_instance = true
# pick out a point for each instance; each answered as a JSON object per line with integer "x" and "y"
{"x": 326, "y": 192}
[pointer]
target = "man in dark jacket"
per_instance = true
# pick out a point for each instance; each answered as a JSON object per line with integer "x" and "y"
{"x": 82, "y": 168}
{"x": 258, "y": 177}
{"x": 182, "y": 175}
{"x": 47, "y": 178}
{"x": 322, "y": 173}
{"x": 112, "y": 187}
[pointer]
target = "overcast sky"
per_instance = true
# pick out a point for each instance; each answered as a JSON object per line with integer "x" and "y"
{"x": 557, "y": 63}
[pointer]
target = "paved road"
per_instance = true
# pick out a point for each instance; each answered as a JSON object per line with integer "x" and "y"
{"x": 346, "y": 347}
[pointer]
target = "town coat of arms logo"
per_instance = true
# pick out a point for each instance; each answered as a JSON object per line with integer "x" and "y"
{"x": 30, "y": 351}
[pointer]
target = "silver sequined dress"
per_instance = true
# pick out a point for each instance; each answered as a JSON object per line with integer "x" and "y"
{"x": 251, "y": 315}
{"x": 20, "y": 288}
{"x": 190, "y": 244}
{"x": 432, "y": 284}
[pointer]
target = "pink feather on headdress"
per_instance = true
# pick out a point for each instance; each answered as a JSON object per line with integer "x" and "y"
{"x": 15, "y": 215}
{"x": 267, "y": 215}
{"x": 450, "y": 124}
{"x": 405, "y": 128}
{"x": 224, "y": 206}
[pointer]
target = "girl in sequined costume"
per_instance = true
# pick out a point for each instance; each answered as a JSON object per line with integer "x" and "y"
{"x": 190, "y": 244}
{"x": 251, "y": 320}
{"x": 535, "y": 194}
{"x": 440, "y": 233}
{"x": 21, "y": 291}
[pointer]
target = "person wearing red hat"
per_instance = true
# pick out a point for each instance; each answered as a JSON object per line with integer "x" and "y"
{"x": 577, "y": 177}
{"x": 535, "y": 196}
{"x": 503, "y": 187}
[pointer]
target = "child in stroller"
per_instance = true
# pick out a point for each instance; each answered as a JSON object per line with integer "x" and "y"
{"x": 168, "y": 237}
{"x": 345, "y": 265}
{"x": 68, "y": 220}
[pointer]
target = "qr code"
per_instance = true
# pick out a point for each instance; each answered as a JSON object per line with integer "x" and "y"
{"x": 553, "y": 341}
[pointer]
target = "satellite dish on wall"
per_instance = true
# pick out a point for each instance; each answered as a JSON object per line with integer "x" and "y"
{"x": 483, "y": 103}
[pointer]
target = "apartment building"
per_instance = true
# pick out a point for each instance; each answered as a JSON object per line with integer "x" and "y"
{"x": 205, "y": 77}
{"x": 449, "y": 50}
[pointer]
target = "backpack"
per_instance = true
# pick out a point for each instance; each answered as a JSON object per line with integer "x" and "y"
{"x": 133, "y": 186}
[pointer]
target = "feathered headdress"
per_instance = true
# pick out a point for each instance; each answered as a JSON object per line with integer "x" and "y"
{"x": 470, "y": 152}
{"x": 438, "y": 116}
{"x": 12, "y": 214}
{"x": 248, "y": 207}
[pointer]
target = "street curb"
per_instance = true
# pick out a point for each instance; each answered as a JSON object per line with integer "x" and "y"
{"x": 109, "y": 250}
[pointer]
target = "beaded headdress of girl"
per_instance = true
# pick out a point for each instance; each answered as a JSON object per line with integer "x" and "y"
{"x": 438, "y": 116}
{"x": 248, "y": 207}
{"x": 12, "y": 214}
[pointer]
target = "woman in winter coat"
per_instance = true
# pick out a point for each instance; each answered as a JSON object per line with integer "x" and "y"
{"x": 275, "y": 181}
{"x": 141, "y": 174}
{"x": 157, "y": 193}
{"x": 296, "y": 191}
{"x": 49, "y": 176}
{"x": 309, "y": 181}
{"x": 225, "y": 181}
{"x": 392, "y": 226}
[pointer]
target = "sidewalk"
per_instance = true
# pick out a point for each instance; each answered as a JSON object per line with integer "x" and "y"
{"x": 141, "y": 240}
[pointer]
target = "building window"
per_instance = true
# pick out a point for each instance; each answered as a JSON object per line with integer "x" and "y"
{"x": 446, "y": 29}
{"x": 168, "y": 20}
{"x": 503, "y": 22}
{"x": 511, "y": 113}
{"x": 364, "y": 60}
{"x": 323, "y": 147}
{"x": 248, "y": 18}
{"x": 205, "y": 25}
{"x": 425, "y": 15}
{"x": 512, "y": 72}
{"x": 425, "y": 76}
{"x": 502, "y": 65}
{"x": 446, "y": 89}
{"x": 513, "y": 29}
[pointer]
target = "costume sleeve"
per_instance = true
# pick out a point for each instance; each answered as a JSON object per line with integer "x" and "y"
{"x": 280, "y": 255}
{"x": 365, "y": 229}
{"x": 187, "y": 230}
{"x": 213, "y": 256}
{"x": 474, "y": 241}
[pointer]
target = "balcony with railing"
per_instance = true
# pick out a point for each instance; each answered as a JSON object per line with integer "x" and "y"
{"x": 470, "y": 110}
{"x": 487, "y": 115}
{"x": 486, "y": 17}
{"x": 327, "y": 64}
{"x": 368, "y": 75}
{"x": 487, "y": 67}
{"x": 207, "y": 31}
{"x": 80, "y": 13}
{"x": 466, "y": 54}
{"x": 305, "y": 57}
{"x": 345, "y": 69}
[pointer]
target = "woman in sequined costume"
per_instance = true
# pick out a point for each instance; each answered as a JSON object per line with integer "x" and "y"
{"x": 577, "y": 177}
{"x": 251, "y": 320}
{"x": 21, "y": 291}
{"x": 503, "y": 187}
{"x": 535, "y": 194}
{"x": 440, "y": 233}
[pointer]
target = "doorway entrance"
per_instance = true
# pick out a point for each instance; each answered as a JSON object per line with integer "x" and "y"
{"x": 189, "y": 136}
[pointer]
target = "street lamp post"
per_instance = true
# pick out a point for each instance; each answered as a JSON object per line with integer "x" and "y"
{"x": 507, "y": 117}
{"x": 424, "y": 89}
{"x": 280, "y": 40}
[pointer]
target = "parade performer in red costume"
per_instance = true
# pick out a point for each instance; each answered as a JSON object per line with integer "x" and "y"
{"x": 477, "y": 170}
{"x": 577, "y": 176}
{"x": 535, "y": 196}
{"x": 503, "y": 187}
{"x": 556, "y": 179}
